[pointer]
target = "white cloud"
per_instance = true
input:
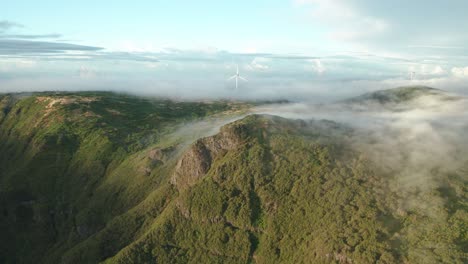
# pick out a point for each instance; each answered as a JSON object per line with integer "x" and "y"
{"x": 259, "y": 63}
{"x": 377, "y": 26}
{"x": 15, "y": 64}
{"x": 347, "y": 21}
{"x": 25, "y": 63}
{"x": 438, "y": 70}
{"x": 426, "y": 71}
{"x": 318, "y": 66}
{"x": 460, "y": 72}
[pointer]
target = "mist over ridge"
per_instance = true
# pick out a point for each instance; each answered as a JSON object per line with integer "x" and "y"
{"x": 237, "y": 132}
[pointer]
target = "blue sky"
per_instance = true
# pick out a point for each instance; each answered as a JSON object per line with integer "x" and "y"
{"x": 288, "y": 48}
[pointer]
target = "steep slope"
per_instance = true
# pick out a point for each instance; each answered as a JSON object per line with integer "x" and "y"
{"x": 70, "y": 163}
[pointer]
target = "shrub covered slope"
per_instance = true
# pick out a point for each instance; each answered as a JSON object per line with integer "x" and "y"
{"x": 100, "y": 177}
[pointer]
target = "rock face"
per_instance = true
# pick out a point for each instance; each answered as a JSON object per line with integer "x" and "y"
{"x": 196, "y": 162}
{"x": 156, "y": 157}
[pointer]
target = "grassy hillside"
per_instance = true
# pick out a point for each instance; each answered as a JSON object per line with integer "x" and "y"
{"x": 70, "y": 163}
{"x": 101, "y": 177}
{"x": 270, "y": 190}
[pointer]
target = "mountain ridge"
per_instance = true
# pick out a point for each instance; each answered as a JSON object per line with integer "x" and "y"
{"x": 401, "y": 95}
{"x": 110, "y": 179}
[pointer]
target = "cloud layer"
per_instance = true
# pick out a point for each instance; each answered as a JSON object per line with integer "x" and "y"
{"x": 415, "y": 142}
{"x": 375, "y": 46}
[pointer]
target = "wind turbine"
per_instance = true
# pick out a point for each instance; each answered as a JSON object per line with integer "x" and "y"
{"x": 237, "y": 76}
{"x": 412, "y": 75}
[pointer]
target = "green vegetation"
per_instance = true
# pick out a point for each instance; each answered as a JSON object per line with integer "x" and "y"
{"x": 101, "y": 177}
{"x": 287, "y": 194}
{"x": 70, "y": 163}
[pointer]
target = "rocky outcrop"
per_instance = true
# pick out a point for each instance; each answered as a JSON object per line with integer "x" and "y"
{"x": 196, "y": 162}
{"x": 156, "y": 157}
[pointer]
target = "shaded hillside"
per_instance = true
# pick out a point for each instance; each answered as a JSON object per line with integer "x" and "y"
{"x": 70, "y": 163}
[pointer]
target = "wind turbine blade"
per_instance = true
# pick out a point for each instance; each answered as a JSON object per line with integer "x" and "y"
{"x": 244, "y": 79}
{"x": 232, "y": 77}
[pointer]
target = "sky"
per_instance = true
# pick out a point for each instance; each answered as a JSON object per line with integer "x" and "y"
{"x": 292, "y": 49}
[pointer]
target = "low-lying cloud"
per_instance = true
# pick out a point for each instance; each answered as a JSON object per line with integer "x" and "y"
{"x": 415, "y": 142}
{"x": 38, "y": 62}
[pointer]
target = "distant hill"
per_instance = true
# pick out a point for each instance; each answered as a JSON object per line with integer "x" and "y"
{"x": 103, "y": 177}
{"x": 400, "y": 95}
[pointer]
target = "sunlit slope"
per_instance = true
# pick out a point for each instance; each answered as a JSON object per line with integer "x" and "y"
{"x": 272, "y": 190}
{"x": 101, "y": 177}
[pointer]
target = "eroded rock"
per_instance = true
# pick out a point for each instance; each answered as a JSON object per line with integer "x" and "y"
{"x": 196, "y": 162}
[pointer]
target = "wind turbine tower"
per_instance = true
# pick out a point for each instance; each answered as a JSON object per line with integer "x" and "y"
{"x": 237, "y": 77}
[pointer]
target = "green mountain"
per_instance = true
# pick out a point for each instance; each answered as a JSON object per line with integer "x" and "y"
{"x": 102, "y": 177}
{"x": 70, "y": 163}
